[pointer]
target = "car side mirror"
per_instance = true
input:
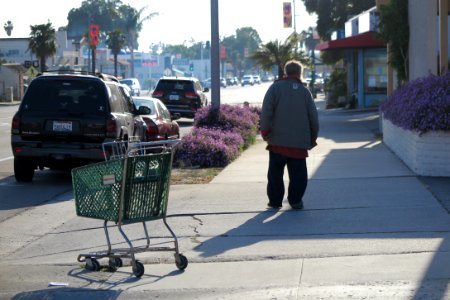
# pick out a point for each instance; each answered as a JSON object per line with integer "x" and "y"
{"x": 175, "y": 116}
{"x": 206, "y": 90}
{"x": 144, "y": 110}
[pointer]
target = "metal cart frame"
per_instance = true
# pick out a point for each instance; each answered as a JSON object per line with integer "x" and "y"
{"x": 131, "y": 186}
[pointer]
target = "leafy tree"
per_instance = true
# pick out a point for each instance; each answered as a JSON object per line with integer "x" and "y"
{"x": 332, "y": 14}
{"x": 246, "y": 38}
{"x": 100, "y": 12}
{"x": 336, "y": 86}
{"x": 115, "y": 41}
{"x": 183, "y": 50}
{"x": 42, "y": 42}
{"x": 109, "y": 15}
{"x": 235, "y": 55}
{"x": 331, "y": 57}
{"x": 8, "y": 27}
{"x": 131, "y": 21}
{"x": 394, "y": 30}
{"x": 277, "y": 53}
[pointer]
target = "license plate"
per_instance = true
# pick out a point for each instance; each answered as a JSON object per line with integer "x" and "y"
{"x": 62, "y": 126}
{"x": 174, "y": 97}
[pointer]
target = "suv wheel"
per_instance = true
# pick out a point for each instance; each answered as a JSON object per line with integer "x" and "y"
{"x": 23, "y": 170}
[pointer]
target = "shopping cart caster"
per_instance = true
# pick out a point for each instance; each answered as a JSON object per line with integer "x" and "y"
{"x": 92, "y": 264}
{"x": 114, "y": 263}
{"x": 138, "y": 270}
{"x": 181, "y": 261}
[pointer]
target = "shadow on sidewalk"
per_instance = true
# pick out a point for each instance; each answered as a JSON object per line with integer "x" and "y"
{"x": 46, "y": 185}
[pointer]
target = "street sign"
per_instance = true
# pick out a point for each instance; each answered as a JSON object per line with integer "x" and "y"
{"x": 94, "y": 31}
{"x": 287, "y": 15}
{"x": 31, "y": 72}
{"x": 180, "y": 61}
{"x": 223, "y": 52}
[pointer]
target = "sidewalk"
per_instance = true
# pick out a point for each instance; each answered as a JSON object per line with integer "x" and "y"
{"x": 371, "y": 229}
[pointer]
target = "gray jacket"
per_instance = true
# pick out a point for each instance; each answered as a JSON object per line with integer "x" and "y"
{"x": 289, "y": 113}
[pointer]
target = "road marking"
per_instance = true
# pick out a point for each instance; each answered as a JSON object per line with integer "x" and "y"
{"x": 7, "y": 158}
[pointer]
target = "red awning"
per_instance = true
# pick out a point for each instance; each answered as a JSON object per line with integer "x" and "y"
{"x": 364, "y": 40}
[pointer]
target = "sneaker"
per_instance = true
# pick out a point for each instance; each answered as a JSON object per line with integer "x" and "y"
{"x": 270, "y": 205}
{"x": 297, "y": 205}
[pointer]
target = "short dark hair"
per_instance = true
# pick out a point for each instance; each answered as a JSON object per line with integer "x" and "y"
{"x": 293, "y": 67}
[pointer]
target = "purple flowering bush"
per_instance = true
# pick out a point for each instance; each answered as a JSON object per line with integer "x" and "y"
{"x": 218, "y": 136}
{"x": 208, "y": 147}
{"x": 230, "y": 118}
{"x": 421, "y": 105}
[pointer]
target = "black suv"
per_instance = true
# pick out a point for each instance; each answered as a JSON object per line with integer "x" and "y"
{"x": 181, "y": 95}
{"x": 64, "y": 119}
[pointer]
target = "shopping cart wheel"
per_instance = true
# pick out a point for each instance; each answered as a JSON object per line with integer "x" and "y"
{"x": 92, "y": 264}
{"x": 181, "y": 261}
{"x": 138, "y": 271}
{"x": 114, "y": 263}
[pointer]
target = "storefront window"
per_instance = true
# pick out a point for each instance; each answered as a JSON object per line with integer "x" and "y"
{"x": 375, "y": 71}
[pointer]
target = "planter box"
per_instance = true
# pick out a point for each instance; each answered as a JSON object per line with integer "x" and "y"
{"x": 427, "y": 154}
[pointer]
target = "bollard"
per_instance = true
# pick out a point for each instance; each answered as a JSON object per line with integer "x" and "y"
{"x": 12, "y": 93}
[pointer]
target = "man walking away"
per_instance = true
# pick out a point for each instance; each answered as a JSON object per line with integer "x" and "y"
{"x": 290, "y": 125}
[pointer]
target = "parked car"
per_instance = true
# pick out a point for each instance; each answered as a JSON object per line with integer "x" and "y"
{"x": 257, "y": 79}
{"x": 247, "y": 80}
{"x": 223, "y": 82}
{"x": 181, "y": 95}
{"x": 63, "y": 120}
{"x": 133, "y": 84}
{"x": 207, "y": 83}
{"x": 267, "y": 78}
{"x": 232, "y": 81}
{"x": 159, "y": 124}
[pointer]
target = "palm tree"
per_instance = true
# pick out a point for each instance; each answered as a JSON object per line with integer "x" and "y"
{"x": 42, "y": 42}
{"x": 8, "y": 27}
{"x": 132, "y": 24}
{"x": 277, "y": 53}
{"x": 115, "y": 41}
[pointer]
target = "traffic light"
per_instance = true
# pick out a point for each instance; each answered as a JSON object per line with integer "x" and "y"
{"x": 191, "y": 67}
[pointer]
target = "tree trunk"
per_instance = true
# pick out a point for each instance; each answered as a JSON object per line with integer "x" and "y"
{"x": 115, "y": 65}
{"x": 42, "y": 64}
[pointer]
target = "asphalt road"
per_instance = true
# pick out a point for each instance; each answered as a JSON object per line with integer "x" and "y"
{"x": 47, "y": 184}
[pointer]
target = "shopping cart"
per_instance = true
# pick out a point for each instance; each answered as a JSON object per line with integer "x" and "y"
{"x": 130, "y": 186}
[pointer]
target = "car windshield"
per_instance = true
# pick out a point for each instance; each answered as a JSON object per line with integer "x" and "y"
{"x": 179, "y": 85}
{"x": 52, "y": 95}
{"x": 127, "y": 82}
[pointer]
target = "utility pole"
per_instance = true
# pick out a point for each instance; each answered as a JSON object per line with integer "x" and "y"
{"x": 215, "y": 59}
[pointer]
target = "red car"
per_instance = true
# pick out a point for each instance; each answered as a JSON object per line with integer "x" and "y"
{"x": 159, "y": 123}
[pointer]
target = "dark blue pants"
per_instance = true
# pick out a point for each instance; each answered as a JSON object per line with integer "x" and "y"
{"x": 298, "y": 179}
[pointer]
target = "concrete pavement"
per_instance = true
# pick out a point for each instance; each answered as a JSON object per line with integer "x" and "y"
{"x": 371, "y": 229}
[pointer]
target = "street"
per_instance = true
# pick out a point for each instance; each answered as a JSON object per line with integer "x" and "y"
{"x": 48, "y": 184}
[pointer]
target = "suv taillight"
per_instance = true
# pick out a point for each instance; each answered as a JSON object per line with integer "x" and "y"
{"x": 111, "y": 127}
{"x": 157, "y": 94}
{"x": 191, "y": 95}
{"x": 15, "y": 125}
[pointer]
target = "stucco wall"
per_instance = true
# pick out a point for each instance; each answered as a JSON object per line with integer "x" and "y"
{"x": 423, "y": 38}
{"x": 8, "y": 79}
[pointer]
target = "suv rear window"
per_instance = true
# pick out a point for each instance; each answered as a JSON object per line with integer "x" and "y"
{"x": 53, "y": 95}
{"x": 177, "y": 85}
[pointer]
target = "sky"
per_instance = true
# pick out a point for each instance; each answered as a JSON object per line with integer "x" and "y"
{"x": 178, "y": 21}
